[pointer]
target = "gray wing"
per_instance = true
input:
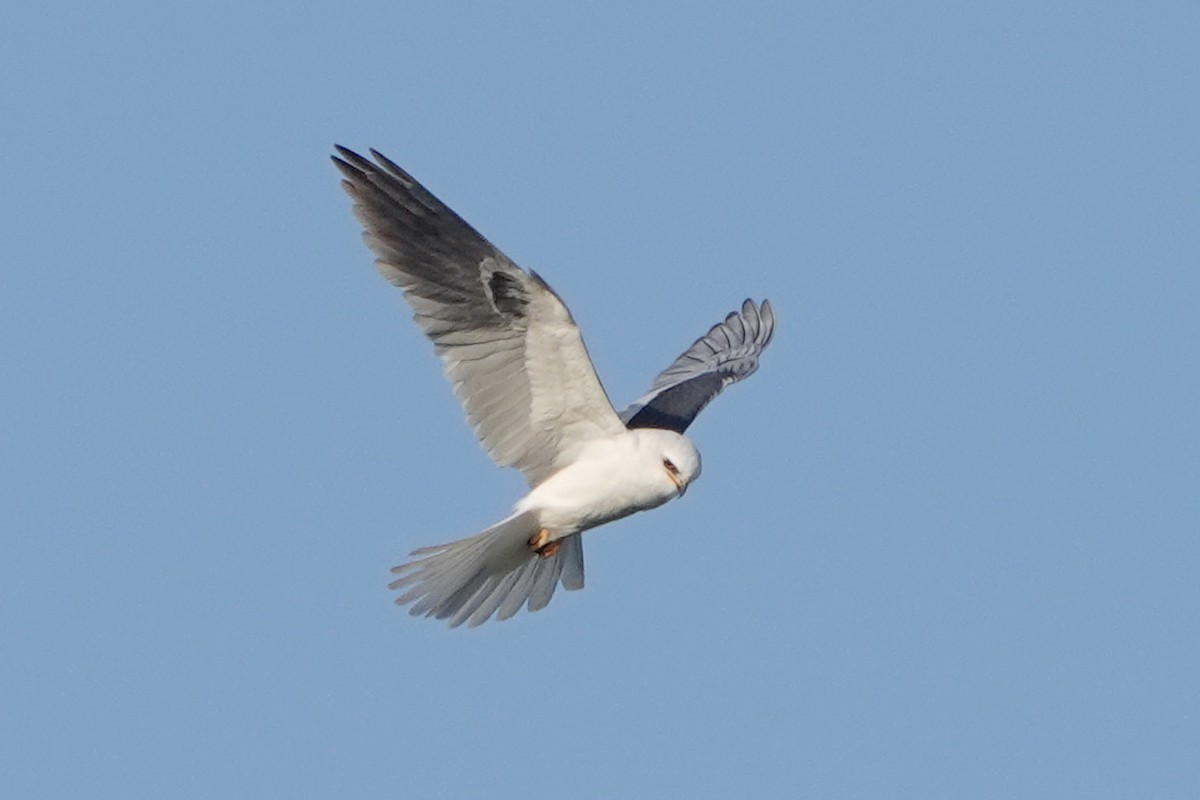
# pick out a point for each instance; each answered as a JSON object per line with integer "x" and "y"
{"x": 507, "y": 342}
{"x": 726, "y": 354}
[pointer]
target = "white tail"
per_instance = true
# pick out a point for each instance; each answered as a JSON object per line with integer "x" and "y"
{"x": 492, "y": 572}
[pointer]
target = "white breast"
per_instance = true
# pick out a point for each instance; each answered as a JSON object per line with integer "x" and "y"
{"x": 613, "y": 478}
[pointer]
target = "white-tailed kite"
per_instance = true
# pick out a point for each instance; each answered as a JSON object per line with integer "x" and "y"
{"x": 518, "y": 364}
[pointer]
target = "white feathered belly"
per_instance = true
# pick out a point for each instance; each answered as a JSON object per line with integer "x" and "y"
{"x": 609, "y": 481}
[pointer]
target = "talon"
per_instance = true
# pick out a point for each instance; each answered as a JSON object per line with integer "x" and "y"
{"x": 540, "y": 543}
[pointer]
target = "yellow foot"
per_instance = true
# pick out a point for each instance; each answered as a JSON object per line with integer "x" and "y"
{"x": 540, "y": 543}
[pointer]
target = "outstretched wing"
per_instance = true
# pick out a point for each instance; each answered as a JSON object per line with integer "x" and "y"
{"x": 726, "y": 354}
{"x": 508, "y": 344}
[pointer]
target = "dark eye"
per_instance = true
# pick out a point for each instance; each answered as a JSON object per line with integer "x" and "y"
{"x": 670, "y": 465}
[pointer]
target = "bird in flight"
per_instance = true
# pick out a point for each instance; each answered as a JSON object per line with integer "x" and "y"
{"x": 518, "y": 364}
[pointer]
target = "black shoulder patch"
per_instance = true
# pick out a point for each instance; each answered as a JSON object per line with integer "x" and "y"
{"x": 508, "y": 295}
{"x": 674, "y": 408}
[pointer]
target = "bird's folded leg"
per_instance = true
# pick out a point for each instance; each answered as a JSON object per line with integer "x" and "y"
{"x": 540, "y": 543}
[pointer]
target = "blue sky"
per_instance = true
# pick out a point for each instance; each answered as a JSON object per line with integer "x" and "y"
{"x": 945, "y": 540}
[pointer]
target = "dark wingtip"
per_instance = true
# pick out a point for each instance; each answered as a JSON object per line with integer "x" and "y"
{"x": 767, "y": 313}
{"x": 345, "y": 154}
{"x": 380, "y": 157}
{"x": 391, "y": 166}
{"x": 350, "y": 163}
